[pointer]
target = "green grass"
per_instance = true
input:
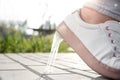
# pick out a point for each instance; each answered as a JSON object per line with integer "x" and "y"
{"x": 18, "y": 44}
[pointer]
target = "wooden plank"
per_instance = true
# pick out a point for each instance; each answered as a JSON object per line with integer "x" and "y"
{"x": 31, "y": 66}
{"x": 17, "y": 75}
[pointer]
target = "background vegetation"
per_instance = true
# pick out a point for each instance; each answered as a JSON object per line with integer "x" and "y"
{"x": 17, "y": 41}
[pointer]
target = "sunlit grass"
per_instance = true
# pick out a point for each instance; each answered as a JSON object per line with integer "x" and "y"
{"x": 34, "y": 44}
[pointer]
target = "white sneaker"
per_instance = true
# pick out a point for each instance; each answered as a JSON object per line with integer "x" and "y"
{"x": 97, "y": 44}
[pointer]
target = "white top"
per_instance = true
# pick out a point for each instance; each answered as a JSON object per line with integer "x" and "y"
{"x": 102, "y": 40}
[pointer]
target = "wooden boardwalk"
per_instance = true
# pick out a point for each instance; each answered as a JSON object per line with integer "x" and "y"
{"x": 30, "y": 66}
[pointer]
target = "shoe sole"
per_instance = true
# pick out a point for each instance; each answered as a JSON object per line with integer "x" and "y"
{"x": 86, "y": 56}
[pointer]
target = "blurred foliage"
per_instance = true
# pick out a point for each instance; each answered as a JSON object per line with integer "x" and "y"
{"x": 15, "y": 41}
